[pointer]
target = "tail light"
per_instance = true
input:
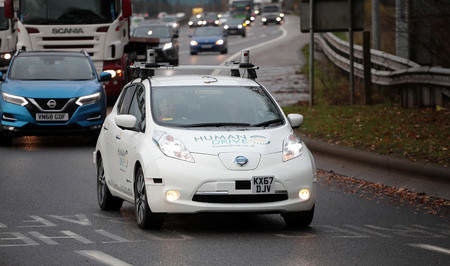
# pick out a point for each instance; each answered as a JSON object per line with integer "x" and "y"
{"x": 32, "y": 30}
{"x": 103, "y": 29}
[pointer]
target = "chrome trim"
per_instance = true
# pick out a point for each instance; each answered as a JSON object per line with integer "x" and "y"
{"x": 51, "y": 111}
{"x": 10, "y": 119}
{"x": 212, "y": 193}
{"x": 94, "y": 118}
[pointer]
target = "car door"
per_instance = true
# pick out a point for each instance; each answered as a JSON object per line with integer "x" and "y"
{"x": 132, "y": 138}
{"x": 119, "y": 154}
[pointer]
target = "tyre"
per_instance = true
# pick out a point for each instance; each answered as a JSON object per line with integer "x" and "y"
{"x": 224, "y": 51}
{"x": 175, "y": 62}
{"x": 298, "y": 219}
{"x": 144, "y": 217}
{"x": 193, "y": 53}
{"x": 244, "y": 35}
{"x": 106, "y": 201}
{"x": 5, "y": 140}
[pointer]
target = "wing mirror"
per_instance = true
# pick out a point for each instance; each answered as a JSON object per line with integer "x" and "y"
{"x": 126, "y": 121}
{"x": 105, "y": 76}
{"x": 296, "y": 120}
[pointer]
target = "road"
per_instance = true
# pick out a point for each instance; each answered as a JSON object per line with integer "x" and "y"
{"x": 49, "y": 213}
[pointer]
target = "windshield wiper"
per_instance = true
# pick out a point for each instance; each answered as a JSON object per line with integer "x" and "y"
{"x": 218, "y": 125}
{"x": 268, "y": 123}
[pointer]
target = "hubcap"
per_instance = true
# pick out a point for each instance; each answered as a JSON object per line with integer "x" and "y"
{"x": 140, "y": 197}
{"x": 101, "y": 182}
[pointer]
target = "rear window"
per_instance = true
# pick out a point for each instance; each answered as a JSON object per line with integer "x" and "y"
{"x": 270, "y": 9}
{"x": 51, "y": 67}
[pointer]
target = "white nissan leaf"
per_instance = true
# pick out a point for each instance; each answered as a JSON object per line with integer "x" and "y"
{"x": 193, "y": 143}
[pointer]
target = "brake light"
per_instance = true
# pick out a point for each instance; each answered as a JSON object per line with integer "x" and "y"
{"x": 32, "y": 30}
{"x": 103, "y": 29}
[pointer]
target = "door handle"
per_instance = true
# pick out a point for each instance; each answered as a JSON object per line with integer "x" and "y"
{"x": 118, "y": 137}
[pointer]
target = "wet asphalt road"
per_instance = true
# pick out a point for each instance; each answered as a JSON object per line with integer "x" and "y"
{"x": 49, "y": 213}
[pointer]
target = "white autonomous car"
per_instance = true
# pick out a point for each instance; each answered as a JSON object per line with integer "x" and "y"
{"x": 201, "y": 143}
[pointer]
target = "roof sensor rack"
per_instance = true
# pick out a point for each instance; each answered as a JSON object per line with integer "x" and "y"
{"x": 147, "y": 69}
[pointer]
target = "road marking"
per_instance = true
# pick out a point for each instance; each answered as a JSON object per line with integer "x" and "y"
{"x": 368, "y": 231}
{"x": 349, "y": 234}
{"x": 37, "y": 219}
{"x": 283, "y": 35}
{"x": 102, "y": 257}
{"x": 116, "y": 238}
{"x": 407, "y": 231}
{"x": 18, "y": 236}
{"x": 431, "y": 248}
{"x": 81, "y": 219}
{"x": 68, "y": 235}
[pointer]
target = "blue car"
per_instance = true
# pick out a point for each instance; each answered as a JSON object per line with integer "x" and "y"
{"x": 51, "y": 93}
{"x": 209, "y": 39}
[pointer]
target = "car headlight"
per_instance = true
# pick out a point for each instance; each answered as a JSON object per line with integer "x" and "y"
{"x": 112, "y": 72}
{"x": 6, "y": 56}
{"x": 19, "y": 100}
{"x": 252, "y": 18}
{"x": 239, "y": 26}
{"x": 88, "y": 99}
{"x": 219, "y": 42}
{"x": 281, "y": 15}
{"x": 167, "y": 46}
{"x": 190, "y": 23}
{"x": 292, "y": 147}
{"x": 226, "y": 27}
{"x": 174, "y": 25}
{"x": 264, "y": 19}
{"x": 256, "y": 12}
{"x": 216, "y": 22}
{"x": 171, "y": 147}
{"x": 278, "y": 19}
{"x": 194, "y": 43}
{"x": 199, "y": 22}
{"x": 247, "y": 22}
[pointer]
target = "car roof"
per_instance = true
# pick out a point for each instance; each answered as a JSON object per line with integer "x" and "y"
{"x": 44, "y": 53}
{"x": 201, "y": 80}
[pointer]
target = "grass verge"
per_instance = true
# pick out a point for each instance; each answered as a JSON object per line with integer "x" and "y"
{"x": 416, "y": 134}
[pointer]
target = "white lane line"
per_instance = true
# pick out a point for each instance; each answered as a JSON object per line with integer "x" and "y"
{"x": 102, "y": 257}
{"x": 282, "y": 36}
{"x": 431, "y": 248}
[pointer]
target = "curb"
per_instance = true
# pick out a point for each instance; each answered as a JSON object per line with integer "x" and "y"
{"x": 387, "y": 162}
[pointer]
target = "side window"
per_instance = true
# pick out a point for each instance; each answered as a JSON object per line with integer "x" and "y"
{"x": 137, "y": 108}
{"x": 124, "y": 104}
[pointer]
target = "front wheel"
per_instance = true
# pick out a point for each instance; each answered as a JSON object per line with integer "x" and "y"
{"x": 144, "y": 217}
{"x": 106, "y": 201}
{"x": 298, "y": 219}
{"x": 224, "y": 51}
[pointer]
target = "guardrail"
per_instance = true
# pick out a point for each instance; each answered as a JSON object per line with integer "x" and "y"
{"x": 391, "y": 70}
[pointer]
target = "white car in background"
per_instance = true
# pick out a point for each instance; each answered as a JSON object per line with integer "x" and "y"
{"x": 196, "y": 143}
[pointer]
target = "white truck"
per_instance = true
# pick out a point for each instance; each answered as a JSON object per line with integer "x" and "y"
{"x": 100, "y": 27}
{"x": 8, "y": 38}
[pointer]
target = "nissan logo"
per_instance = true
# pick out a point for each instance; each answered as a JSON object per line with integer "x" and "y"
{"x": 51, "y": 104}
{"x": 241, "y": 160}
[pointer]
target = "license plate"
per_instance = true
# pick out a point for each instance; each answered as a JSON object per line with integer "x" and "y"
{"x": 207, "y": 46}
{"x": 262, "y": 185}
{"x": 52, "y": 116}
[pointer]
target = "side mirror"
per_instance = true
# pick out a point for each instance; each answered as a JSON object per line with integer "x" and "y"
{"x": 105, "y": 76}
{"x": 295, "y": 119}
{"x": 126, "y": 9}
{"x": 126, "y": 121}
{"x": 9, "y": 9}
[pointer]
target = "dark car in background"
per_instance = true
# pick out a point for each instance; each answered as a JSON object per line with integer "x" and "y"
{"x": 195, "y": 21}
{"x": 235, "y": 26}
{"x": 160, "y": 37}
{"x": 211, "y": 19}
{"x": 172, "y": 21}
{"x": 272, "y": 14}
{"x": 209, "y": 39}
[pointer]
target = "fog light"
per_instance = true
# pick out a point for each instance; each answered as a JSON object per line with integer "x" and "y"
{"x": 304, "y": 194}
{"x": 172, "y": 195}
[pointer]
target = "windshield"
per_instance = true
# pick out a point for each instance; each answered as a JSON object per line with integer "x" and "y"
{"x": 57, "y": 12}
{"x": 235, "y": 21}
{"x": 208, "y": 31}
{"x": 3, "y": 21}
{"x": 152, "y": 32}
{"x": 271, "y": 9}
{"x": 202, "y": 105}
{"x": 241, "y": 6}
{"x": 211, "y": 16}
{"x": 51, "y": 67}
{"x": 169, "y": 19}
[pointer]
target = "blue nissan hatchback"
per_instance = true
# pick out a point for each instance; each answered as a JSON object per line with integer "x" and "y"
{"x": 209, "y": 39}
{"x": 51, "y": 93}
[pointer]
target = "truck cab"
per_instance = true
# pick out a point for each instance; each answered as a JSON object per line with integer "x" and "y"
{"x": 8, "y": 38}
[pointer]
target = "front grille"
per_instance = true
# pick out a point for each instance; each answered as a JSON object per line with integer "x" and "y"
{"x": 252, "y": 198}
{"x": 60, "y": 103}
{"x": 79, "y": 38}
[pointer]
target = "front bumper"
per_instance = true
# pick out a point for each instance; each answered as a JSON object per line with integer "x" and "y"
{"x": 20, "y": 121}
{"x": 236, "y": 31}
{"x": 206, "y": 182}
{"x": 207, "y": 48}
